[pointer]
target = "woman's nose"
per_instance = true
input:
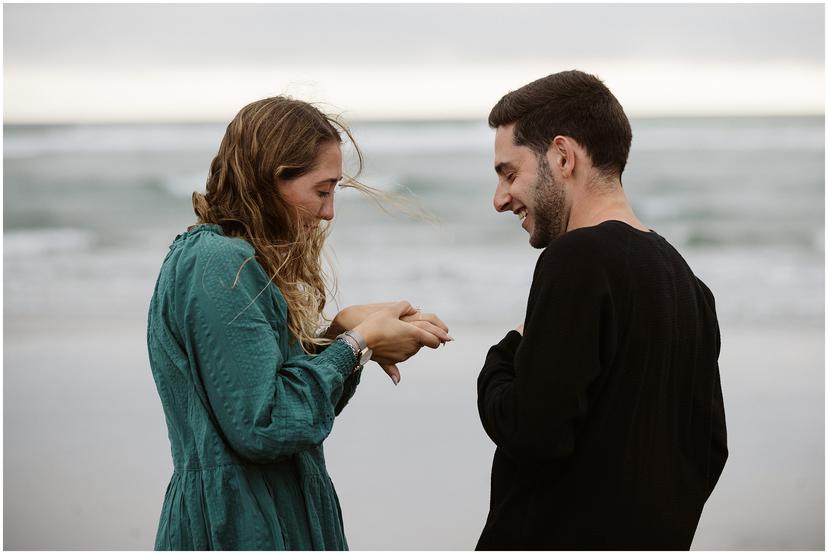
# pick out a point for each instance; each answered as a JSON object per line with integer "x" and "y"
{"x": 327, "y": 211}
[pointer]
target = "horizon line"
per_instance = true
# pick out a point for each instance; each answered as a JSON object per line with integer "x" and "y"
{"x": 399, "y": 120}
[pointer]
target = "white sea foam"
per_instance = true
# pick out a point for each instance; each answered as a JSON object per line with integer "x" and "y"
{"x": 38, "y": 242}
{"x": 728, "y": 135}
{"x": 20, "y": 142}
{"x": 417, "y": 138}
{"x": 182, "y": 185}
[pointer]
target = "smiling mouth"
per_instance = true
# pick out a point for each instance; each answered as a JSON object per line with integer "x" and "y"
{"x": 521, "y": 213}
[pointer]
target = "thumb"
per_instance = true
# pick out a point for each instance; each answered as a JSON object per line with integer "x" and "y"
{"x": 393, "y": 372}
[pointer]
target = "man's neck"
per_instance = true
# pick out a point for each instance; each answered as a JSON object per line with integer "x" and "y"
{"x": 598, "y": 204}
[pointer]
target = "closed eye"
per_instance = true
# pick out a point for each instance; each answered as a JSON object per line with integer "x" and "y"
{"x": 327, "y": 187}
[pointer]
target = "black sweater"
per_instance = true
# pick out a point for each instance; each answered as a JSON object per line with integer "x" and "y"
{"x": 607, "y": 414}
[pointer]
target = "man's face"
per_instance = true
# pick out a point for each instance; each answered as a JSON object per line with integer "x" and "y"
{"x": 527, "y": 187}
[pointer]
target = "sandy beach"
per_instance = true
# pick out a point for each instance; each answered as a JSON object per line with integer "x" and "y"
{"x": 87, "y": 457}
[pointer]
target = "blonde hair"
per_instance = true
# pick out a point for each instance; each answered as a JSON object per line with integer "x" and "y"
{"x": 268, "y": 140}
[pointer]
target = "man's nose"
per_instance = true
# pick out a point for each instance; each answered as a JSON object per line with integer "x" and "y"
{"x": 502, "y": 198}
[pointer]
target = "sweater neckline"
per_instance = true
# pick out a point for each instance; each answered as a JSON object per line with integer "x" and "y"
{"x": 650, "y": 233}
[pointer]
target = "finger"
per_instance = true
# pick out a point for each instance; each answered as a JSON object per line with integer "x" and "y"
{"x": 425, "y": 337}
{"x": 392, "y": 371}
{"x": 433, "y": 319}
{"x": 433, "y": 329}
{"x": 404, "y": 308}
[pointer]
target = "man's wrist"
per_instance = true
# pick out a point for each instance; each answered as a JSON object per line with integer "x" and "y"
{"x": 511, "y": 341}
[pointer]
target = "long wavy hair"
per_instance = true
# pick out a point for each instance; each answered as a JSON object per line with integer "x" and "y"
{"x": 269, "y": 140}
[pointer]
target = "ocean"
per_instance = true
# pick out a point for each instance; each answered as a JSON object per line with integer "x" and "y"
{"x": 89, "y": 211}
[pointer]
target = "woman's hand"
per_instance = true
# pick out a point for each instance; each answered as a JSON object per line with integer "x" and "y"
{"x": 394, "y": 340}
{"x": 429, "y": 322}
{"x": 350, "y": 317}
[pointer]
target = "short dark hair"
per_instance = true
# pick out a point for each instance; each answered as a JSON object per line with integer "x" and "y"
{"x": 570, "y": 103}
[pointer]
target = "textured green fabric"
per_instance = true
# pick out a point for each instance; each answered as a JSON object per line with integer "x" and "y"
{"x": 246, "y": 409}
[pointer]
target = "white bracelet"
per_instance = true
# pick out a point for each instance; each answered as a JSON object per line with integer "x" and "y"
{"x": 349, "y": 341}
{"x": 358, "y": 344}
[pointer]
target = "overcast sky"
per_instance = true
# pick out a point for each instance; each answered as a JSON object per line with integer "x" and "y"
{"x": 96, "y": 62}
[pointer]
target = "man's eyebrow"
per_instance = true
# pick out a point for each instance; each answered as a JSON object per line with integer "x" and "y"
{"x": 503, "y": 167}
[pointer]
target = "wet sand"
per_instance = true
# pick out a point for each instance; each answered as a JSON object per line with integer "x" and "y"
{"x": 87, "y": 458}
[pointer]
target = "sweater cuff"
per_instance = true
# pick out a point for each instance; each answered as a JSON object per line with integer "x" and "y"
{"x": 510, "y": 342}
{"x": 341, "y": 356}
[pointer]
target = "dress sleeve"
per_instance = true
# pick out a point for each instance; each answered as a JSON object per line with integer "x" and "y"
{"x": 348, "y": 390}
{"x": 266, "y": 405}
{"x": 532, "y": 391}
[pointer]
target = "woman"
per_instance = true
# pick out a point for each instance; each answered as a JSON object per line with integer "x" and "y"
{"x": 232, "y": 336}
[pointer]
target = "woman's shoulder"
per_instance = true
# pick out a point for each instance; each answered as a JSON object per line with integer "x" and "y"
{"x": 207, "y": 240}
{"x": 210, "y": 273}
{"x": 206, "y": 254}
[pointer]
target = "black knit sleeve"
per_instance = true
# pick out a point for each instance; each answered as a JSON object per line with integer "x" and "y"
{"x": 718, "y": 447}
{"x": 495, "y": 380}
{"x": 533, "y": 391}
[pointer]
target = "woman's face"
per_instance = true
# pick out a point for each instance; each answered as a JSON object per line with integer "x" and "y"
{"x": 313, "y": 192}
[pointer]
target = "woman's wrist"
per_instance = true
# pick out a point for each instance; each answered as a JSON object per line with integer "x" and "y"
{"x": 334, "y": 330}
{"x": 367, "y": 332}
{"x": 337, "y": 326}
{"x": 350, "y": 343}
{"x": 354, "y": 339}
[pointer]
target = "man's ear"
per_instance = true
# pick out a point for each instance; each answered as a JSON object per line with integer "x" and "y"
{"x": 561, "y": 155}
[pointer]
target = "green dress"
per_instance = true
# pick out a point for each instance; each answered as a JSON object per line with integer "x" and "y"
{"x": 246, "y": 409}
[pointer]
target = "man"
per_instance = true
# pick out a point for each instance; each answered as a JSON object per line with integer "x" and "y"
{"x": 606, "y": 404}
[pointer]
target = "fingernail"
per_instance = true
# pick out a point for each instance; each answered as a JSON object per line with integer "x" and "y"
{"x": 449, "y": 336}
{"x": 395, "y": 379}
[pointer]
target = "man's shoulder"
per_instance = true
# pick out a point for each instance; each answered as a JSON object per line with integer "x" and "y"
{"x": 587, "y": 246}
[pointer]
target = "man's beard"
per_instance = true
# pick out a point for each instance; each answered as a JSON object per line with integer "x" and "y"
{"x": 549, "y": 207}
